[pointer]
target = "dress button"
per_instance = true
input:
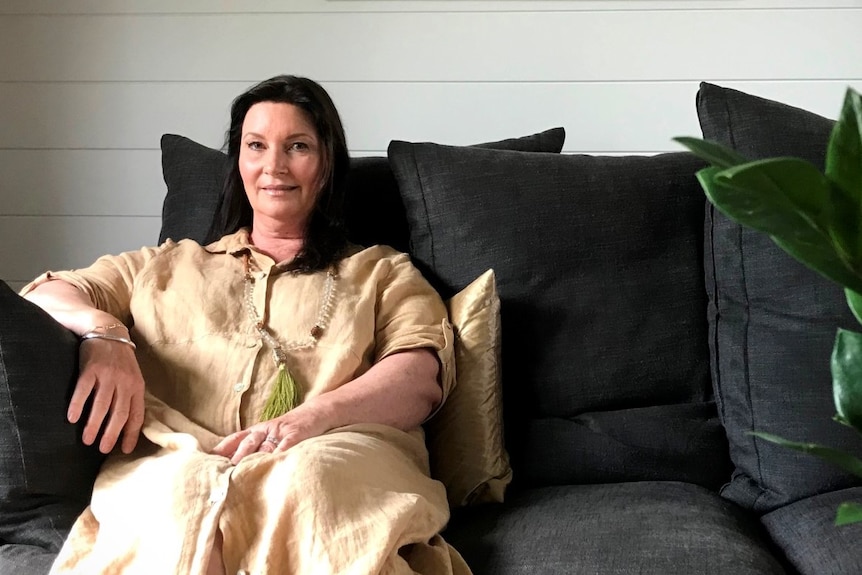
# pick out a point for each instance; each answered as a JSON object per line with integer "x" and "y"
{"x": 239, "y": 387}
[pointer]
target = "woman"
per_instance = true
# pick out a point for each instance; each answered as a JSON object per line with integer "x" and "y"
{"x": 287, "y": 373}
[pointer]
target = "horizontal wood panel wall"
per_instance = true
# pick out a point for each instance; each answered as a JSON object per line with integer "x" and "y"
{"x": 87, "y": 87}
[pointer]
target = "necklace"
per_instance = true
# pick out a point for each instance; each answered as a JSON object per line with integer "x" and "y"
{"x": 286, "y": 393}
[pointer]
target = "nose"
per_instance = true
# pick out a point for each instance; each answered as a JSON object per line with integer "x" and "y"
{"x": 276, "y": 163}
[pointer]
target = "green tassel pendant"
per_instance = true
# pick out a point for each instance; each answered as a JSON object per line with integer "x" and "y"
{"x": 285, "y": 395}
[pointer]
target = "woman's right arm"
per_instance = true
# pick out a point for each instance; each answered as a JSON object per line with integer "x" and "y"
{"x": 109, "y": 373}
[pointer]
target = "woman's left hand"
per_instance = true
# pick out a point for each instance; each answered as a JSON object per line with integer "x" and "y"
{"x": 275, "y": 435}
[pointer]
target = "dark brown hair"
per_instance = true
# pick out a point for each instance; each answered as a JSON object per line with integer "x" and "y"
{"x": 325, "y": 236}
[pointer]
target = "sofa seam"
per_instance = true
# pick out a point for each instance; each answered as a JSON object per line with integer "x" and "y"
{"x": 747, "y": 364}
{"x": 427, "y": 220}
{"x": 761, "y": 491}
{"x": 719, "y": 392}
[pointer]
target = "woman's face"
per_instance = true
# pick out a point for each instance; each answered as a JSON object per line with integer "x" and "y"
{"x": 280, "y": 164}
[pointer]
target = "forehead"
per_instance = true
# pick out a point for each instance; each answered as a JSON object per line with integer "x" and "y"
{"x": 277, "y": 119}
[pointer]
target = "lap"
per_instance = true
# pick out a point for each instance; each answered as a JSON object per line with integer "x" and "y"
{"x": 349, "y": 499}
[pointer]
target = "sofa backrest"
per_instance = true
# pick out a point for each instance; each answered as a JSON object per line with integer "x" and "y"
{"x": 195, "y": 174}
{"x": 598, "y": 260}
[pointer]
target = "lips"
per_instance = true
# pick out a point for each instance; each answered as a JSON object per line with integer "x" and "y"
{"x": 278, "y": 189}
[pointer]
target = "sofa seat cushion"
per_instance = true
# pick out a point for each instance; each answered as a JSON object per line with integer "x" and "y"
{"x": 592, "y": 255}
{"x": 661, "y": 528}
{"x": 806, "y": 533}
{"x": 25, "y": 559}
{"x": 772, "y": 320}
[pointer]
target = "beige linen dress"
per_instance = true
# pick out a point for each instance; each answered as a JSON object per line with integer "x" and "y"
{"x": 356, "y": 500}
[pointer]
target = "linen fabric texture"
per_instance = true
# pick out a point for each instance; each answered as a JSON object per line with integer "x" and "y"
{"x": 598, "y": 385}
{"x": 468, "y": 430}
{"x": 46, "y": 472}
{"x": 464, "y": 436}
{"x": 772, "y": 320}
{"x": 358, "y": 497}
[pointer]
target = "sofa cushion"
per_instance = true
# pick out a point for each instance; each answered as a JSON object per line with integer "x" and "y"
{"x": 592, "y": 255}
{"x": 46, "y": 472}
{"x": 627, "y": 528}
{"x": 772, "y": 320}
{"x": 807, "y": 534}
{"x": 195, "y": 174}
{"x": 465, "y": 438}
{"x": 25, "y": 559}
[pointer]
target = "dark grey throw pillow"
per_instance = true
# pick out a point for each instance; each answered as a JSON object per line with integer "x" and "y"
{"x": 772, "y": 320}
{"x": 46, "y": 472}
{"x": 598, "y": 263}
{"x": 195, "y": 176}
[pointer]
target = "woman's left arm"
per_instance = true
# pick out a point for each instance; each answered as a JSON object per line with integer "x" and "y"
{"x": 400, "y": 390}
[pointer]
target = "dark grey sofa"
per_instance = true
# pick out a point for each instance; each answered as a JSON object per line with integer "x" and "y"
{"x": 644, "y": 336}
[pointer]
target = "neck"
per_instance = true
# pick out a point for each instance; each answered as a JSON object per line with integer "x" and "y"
{"x": 281, "y": 248}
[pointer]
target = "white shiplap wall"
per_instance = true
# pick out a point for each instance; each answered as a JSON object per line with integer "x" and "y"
{"x": 87, "y": 87}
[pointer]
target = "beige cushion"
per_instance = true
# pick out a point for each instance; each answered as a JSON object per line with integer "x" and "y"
{"x": 465, "y": 437}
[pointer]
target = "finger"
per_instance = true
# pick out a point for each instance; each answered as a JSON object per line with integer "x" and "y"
{"x": 288, "y": 441}
{"x": 116, "y": 421}
{"x": 83, "y": 389}
{"x": 102, "y": 400}
{"x": 228, "y": 446}
{"x": 268, "y": 446}
{"x": 249, "y": 445}
{"x": 271, "y": 442}
{"x": 132, "y": 431}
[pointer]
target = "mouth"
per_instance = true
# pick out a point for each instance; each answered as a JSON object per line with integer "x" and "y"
{"x": 278, "y": 190}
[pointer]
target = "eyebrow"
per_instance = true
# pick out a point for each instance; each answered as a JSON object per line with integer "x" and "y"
{"x": 289, "y": 137}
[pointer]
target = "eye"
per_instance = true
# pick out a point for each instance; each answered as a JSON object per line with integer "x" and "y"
{"x": 254, "y": 145}
{"x": 299, "y": 146}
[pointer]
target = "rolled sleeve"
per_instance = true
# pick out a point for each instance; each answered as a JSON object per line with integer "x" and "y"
{"x": 108, "y": 283}
{"x": 411, "y": 315}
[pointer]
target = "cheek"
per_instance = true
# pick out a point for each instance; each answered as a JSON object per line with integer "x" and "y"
{"x": 314, "y": 173}
{"x": 248, "y": 170}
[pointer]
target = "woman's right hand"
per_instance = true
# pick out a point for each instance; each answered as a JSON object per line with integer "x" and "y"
{"x": 111, "y": 377}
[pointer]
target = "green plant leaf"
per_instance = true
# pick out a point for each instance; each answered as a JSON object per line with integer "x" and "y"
{"x": 844, "y": 227}
{"x": 769, "y": 210}
{"x": 836, "y": 456}
{"x": 712, "y": 152}
{"x": 844, "y": 170}
{"x": 854, "y": 300}
{"x": 848, "y": 512}
{"x": 847, "y": 377}
{"x": 784, "y": 184}
{"x": 844, "y": 153}
{"x": 828, "y": 265}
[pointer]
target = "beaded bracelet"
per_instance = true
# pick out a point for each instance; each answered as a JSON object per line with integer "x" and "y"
{"x": 103, "y": 332}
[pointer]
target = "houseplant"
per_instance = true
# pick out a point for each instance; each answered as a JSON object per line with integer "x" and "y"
{"x": 816, "y": 217}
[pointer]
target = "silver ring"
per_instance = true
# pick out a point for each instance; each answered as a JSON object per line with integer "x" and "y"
{"x": 272, "y": 439}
